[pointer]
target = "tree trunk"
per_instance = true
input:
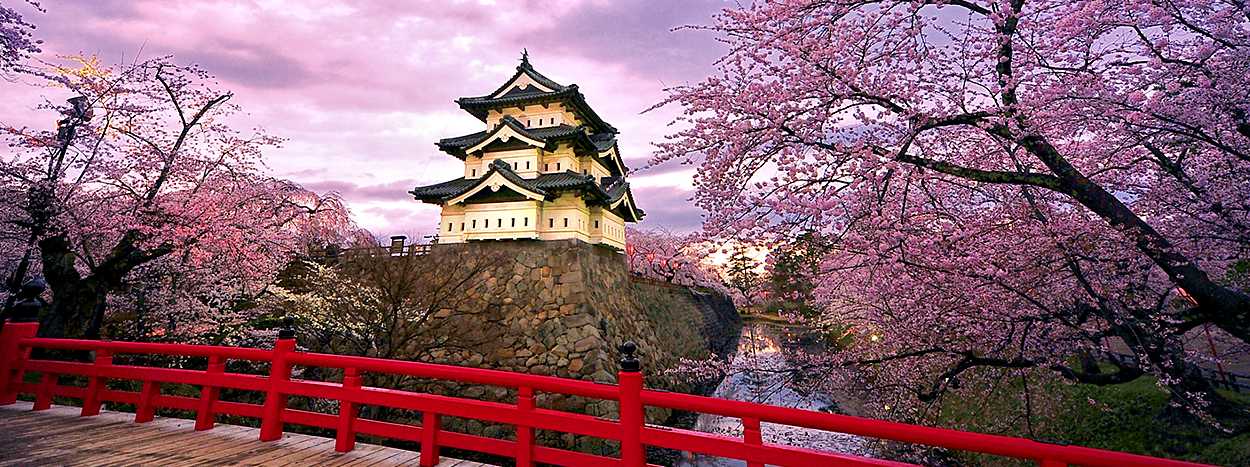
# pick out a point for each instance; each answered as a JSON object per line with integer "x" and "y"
{"x": 78, "y": 303}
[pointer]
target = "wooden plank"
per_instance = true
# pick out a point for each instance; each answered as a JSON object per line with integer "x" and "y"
{"x": 127, "y": 445}
{"x": 288, "y": 445}
{"x": 368, "y": 455}
{"x": 384, "y": 458}
{"x": 223, "y": 442}
{"x": 52, "y": 441}
{"x": 59, "y": 436}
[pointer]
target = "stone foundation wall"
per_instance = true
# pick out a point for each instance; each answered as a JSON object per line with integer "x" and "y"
{"x": 561, "y": 308}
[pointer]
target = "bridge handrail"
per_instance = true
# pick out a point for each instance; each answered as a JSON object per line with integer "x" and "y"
{"x": 457, "y": 373}
{"x": 16, "y": 342}
{"x": 180, "y": 350}
{"x": 903, "y": 432}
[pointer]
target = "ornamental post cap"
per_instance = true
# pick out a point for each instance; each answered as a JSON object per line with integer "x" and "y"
{"x": 28, "y": 301}
{"x": 287, "y": 332}
{"x": 629, "y": 363}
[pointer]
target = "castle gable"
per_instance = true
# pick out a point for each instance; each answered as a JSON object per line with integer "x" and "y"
{"x": 499, "y": 177}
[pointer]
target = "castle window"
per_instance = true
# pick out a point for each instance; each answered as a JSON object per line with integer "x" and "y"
{"x": 527, "y": 222}
{"x": 475, "y": 223}
{"x": 551, "y": 222}
{"x": 499, "y": 223}
{"x": 514, "y": 222}
{"x": 527, "y": 122}
{"x": 462, "y": 226}
{"x": 557, "y": 166}
{"x": 474, "y": 173}
{"x": 546, "y": 167}
{"x": 527, "y": 165}
{"x": 449, "y": 227}
{"x": 596, "y": 224}
{"x": 566, "y": 222}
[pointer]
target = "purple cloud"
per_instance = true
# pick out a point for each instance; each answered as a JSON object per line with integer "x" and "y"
{"x": 362, "y": 90}
{"x": 668, "y": 207}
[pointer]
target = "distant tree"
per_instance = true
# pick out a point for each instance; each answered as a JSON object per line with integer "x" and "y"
{"x": 144, "y": 179}
{"x": 1000, "y": 185}
{"x": 665, "y": 256}
{"x": 743, "y": 276}
{"x": 794, "y": 269}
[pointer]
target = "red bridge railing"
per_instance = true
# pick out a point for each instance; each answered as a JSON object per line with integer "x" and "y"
{"x": 17, "y": 340}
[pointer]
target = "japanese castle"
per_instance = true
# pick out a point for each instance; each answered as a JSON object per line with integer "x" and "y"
{"x": 546, "y": 168}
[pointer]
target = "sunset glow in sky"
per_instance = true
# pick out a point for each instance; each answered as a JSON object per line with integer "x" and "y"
{"x": 362, "y": 89}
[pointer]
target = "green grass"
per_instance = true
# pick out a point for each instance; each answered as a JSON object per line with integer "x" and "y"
{"x": 1133, "y": 417}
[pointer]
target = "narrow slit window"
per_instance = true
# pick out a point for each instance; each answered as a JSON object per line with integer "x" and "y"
{"x": 499, "y": 223}
{"x": 546, "y": 167}
{"x": 566, "y": 222}
{"x": 475, "y": 223}
{"x": 474, "y": 172}
{"x": 527, "y": 222}
{"x": 557, "y": 166}
{"x": 514, "y": 222}
{"x": 527, "y": 165}
{"x": 596, "y": 224}
{"x": 462, "y": 226}
{"x": 449, "y": 227}
{"x": 551, "y": 222}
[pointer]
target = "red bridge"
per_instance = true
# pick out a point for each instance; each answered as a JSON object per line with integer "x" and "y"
{"x": 17, "y": 340}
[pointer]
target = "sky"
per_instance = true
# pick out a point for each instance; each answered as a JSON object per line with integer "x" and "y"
{"x": 362, "y": 89}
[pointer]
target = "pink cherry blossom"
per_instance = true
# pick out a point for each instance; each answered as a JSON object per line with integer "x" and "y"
{"x": 1000, "y": 187}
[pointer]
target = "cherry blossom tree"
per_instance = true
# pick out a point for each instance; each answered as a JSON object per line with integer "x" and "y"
{"x": 1001, "y": 184}
{"x": 143, "y": 179}
{"x": 15, "y": 38}
{"x": 679, "y": 259}
{"x": 370, "y": 301}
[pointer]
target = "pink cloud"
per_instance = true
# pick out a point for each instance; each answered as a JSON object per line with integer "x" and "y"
{"x": 363, "y": 89}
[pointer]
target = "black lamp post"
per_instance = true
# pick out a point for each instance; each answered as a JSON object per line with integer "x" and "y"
{"x": 41, "y": 196}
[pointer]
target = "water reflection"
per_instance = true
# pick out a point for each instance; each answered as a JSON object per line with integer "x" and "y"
{"x": 760, "y": 375}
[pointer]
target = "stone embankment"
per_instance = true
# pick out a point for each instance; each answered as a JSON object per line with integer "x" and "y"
{"x": 562, "y": 308}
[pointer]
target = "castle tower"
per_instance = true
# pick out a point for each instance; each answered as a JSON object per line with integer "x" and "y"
{"x": 546, "y": 168}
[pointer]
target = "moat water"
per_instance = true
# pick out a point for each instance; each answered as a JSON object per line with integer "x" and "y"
{"x": 759, "y": 373}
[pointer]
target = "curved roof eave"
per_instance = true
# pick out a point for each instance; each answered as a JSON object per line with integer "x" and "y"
{"x": 511, "y": 179}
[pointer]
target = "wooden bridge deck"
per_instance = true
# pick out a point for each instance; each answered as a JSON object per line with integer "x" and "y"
{"x": 59, "y": 437}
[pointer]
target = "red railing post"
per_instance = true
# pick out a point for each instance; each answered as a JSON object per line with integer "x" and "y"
{"x": 524, "y": 434}
{"x": 205, "y": 417}
{"x": 43, "y": 399}
{"x": 279, "y": 372}
{"x": 431, "y": 424}
{"x": 345, "y": 439}
{"x": 10, "y": 353}
{"x": 633, "y": 419}
{"x": 146, "y": 411}
{"x": 91, "y": 403}
{"x": 752, "y": 436}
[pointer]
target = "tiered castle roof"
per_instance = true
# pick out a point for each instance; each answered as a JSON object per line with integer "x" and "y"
{"x": 590, "y": 135}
